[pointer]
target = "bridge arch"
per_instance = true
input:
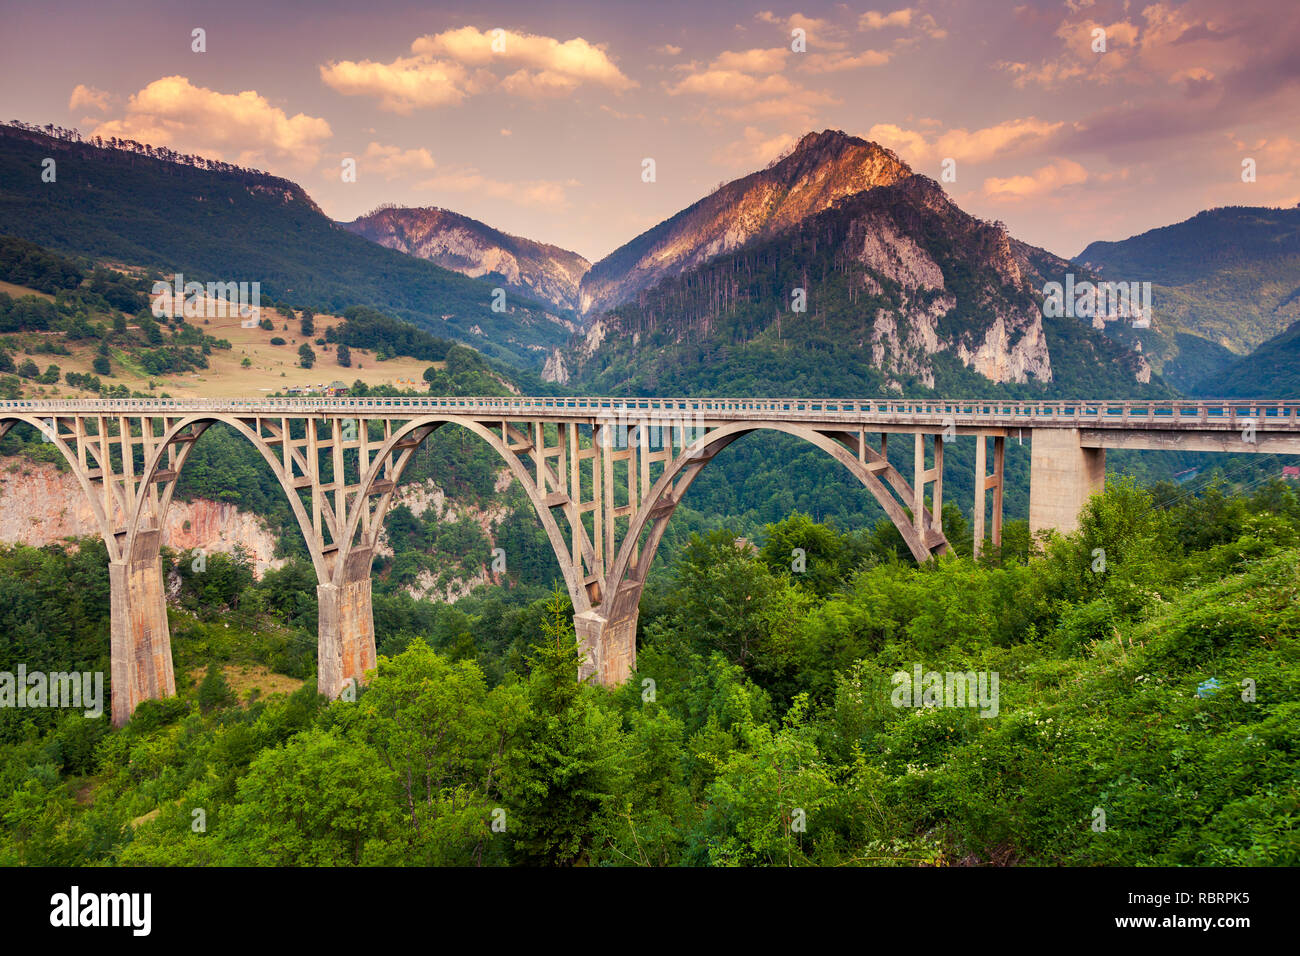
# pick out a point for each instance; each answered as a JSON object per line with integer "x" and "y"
{"x": 408, "y": 439}
{"x": 192, "y": 428}
{"x": 50, "y": 432}
{"x": 609, "y": 631}
{"x": 343, "y": 566}
{"x": 667, "y": 492}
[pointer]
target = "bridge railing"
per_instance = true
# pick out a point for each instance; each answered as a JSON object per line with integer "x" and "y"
{"x": 1177, "y": 413}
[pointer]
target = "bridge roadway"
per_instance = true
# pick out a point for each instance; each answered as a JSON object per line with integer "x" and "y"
{"x": 604, "y": 475}
{"x": 1211, "y": 414}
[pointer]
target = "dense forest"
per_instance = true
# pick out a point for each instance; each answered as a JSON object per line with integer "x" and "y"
{"x": 1146, "y": 710}
{"x": 1271, "y": 370}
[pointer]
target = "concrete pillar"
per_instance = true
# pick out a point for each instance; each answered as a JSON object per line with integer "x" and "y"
{"x": 985, "y": 482}
{"x": 981, "y": 491}
{"x": 1063, "y": 475}
{"x": 998, "y": 479}
{"x": 346, "y": 635}
{"x": 608, "y": 647}
{"x": 140, "y": 640}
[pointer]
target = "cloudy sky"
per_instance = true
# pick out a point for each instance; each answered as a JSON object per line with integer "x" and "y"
{"x": 543, "y": 132}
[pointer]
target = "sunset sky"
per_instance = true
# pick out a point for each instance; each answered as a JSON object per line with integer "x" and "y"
{"x": 546, "y": 138}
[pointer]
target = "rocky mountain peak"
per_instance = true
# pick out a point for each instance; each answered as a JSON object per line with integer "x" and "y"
{"x": 821, "y": 169}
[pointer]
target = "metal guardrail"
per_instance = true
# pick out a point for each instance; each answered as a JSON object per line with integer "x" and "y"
{"x": 1091, "y": 414}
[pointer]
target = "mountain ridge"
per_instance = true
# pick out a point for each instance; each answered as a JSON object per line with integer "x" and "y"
{"x": 473, "y": 248}
{"x": 138, "y": 204}
{"x": 1224, "y": 281}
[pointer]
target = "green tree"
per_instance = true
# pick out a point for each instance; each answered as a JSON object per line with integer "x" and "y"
{"x": 566, "y": 772}
{"x": 438, "y": 728}
{"x": 214, "y": 689}
{"x": 306, "y": 357}
{"x": 319, "y": 800}
{"x": 814, "y": 554}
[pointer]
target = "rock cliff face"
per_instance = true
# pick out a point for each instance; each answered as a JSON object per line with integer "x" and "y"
{"x": 1005, "y": 340}
{"x": 472, "y": 248}
{"x": 822, "y": 168}
{"x": 40, "y": 504}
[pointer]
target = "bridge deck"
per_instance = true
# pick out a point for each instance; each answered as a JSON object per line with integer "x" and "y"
{"x": 1227, "y": 415}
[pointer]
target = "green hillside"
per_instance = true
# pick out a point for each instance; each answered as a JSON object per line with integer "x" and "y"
{"x": 1230, "y": 276}
{"x": 216, "y": 222}
{"x": 1271, "y": 371}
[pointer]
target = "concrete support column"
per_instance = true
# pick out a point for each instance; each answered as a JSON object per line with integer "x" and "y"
{"x": 346, "y": 635}
{"x": 977, "y": 513}
{"x": 608, "y": 647}
{"x": 140, "y": 640}
{"x": 998, "y": 482}
{"x": 1063, "y": 475}
{"x": 985, "y": 482}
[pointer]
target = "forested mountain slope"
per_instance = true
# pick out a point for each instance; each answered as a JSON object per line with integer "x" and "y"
{"x": 1223, "y": 281}
{"x": 1271, "y": 371}
{"x": 214, "y": 222}
{"x": 903, "y": 293}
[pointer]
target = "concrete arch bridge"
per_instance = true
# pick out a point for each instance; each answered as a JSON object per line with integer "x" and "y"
{"x": 604, "y": 475}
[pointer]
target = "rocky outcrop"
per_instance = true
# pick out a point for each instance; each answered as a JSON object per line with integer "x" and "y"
{"x": 555, "y": 370}
{"x": 537, "y": 270}
{"x": 426, "y": 496}
{"x": 40, "y": 504}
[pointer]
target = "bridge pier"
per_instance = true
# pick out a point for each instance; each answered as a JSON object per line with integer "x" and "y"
{"x": 984, "y": 483}
{"x": 1063, "y": 475}
{"x": 346, "y": 635}
{"x": 608, "y": 647}
{"x": 140, "y": 640}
